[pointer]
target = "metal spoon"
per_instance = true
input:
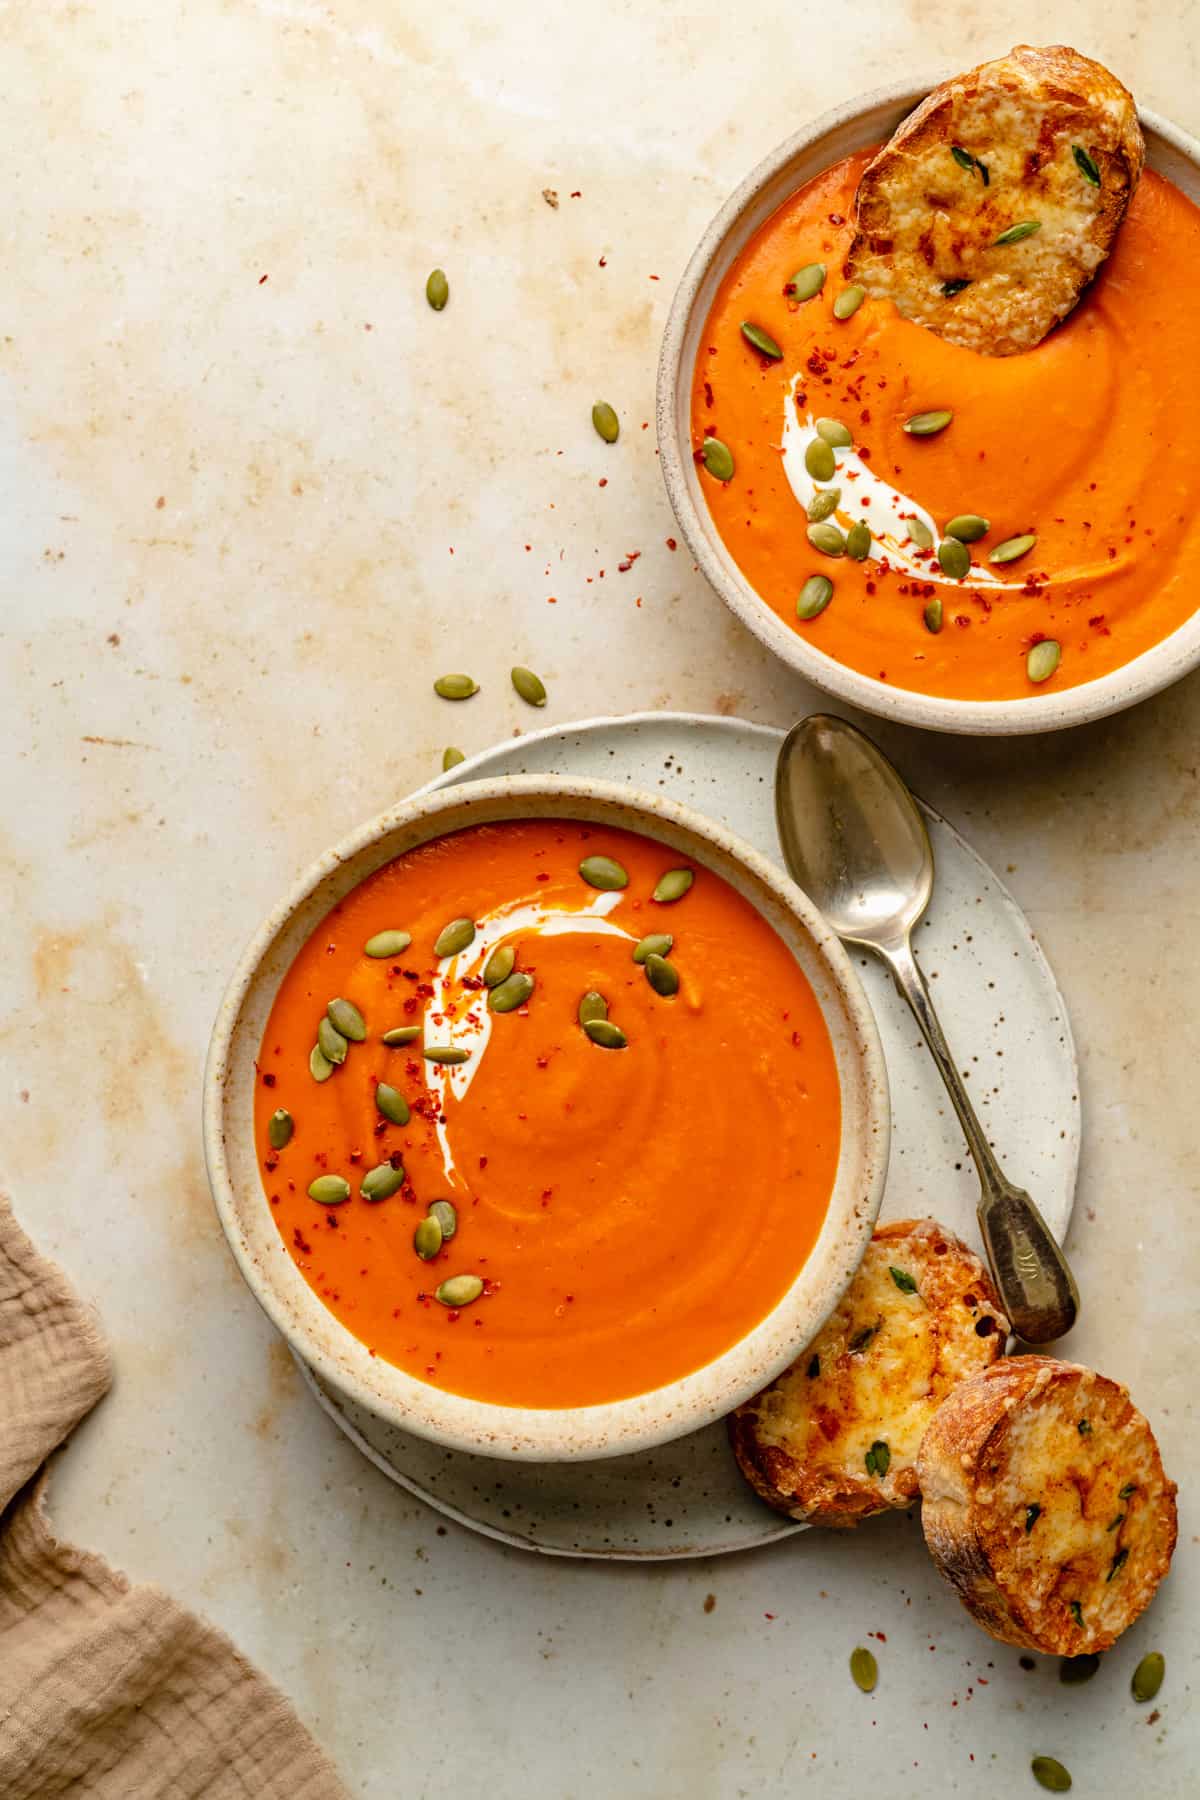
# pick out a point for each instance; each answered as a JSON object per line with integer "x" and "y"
{"x": 853, "y": 838}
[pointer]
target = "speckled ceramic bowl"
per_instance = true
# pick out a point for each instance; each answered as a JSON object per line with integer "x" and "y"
{"x": 836, "y": 134}
{"x": 400, "y": 1399}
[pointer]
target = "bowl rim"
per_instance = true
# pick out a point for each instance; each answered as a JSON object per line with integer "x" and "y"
{"x": 611, "y": 1428}
{"x": 1154, "y": 669}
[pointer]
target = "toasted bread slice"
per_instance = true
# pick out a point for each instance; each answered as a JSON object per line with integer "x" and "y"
{"x": 1045, "y": 1504}
{"x": 920, "y": 1316}
{"x": 1041, "y": 138}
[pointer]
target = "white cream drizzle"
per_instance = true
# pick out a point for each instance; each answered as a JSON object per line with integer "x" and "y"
{"x": 866, "y": 496}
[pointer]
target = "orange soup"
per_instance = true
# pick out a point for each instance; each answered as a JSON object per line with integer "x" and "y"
{"x": 614, "y": 1202}
{"x": 1087, "y": 446}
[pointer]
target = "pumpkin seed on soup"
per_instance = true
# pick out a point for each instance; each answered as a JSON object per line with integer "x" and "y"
{"x": 427, "y": 1238}
{"x": 835, "y": 434}
{"x": 1013, "y": 547}
{"x": 346, "y": 1018}
{"x": 954, "y": 557}
{"x": 818, "y": 460}
{"x": 822, "y": 504}
{"x": 848, "y": 302}
{"x": 717, "y": 459}
{"x": 919, "y": 533}
{"x": 967, "y": 527}
{"x": 1043, "y": 659}
{"x": 329, "y": 1190}
{"x": 381, "y": 1182}
{"x": 673, "y": 885}
{"x": 391, "y": 1103}
{"x": 401, "y": 1034}
{"x": 331, "y": 1043}
{"x": 280, "y": 1127}
{"x": 927, "y": 424}
{"x": 387, "y": 943}
{"x": 606, "y": 422}
{"x": 499, "y": 965}
{"x": 864, "y": 1669}
{"x": 761, "y": 340}
{"x": 607, "y": 1035}
{"x": 454, "y": 938}
{"x": 446, "y": 1216}
{"x": 450, "y": 1054}
{"x": 459, "y": 1290}
{"x": 815, "y": 596}
{"x": 319, "y": 1065}
{"x": 933, "y": 617}
{"x": 807, "y": 282}
{"x": 604, "y": 872}
{"x": 657, "y": 944}
{"x": 510, "y": 993}
{"x": 827, "y": 538}
{"x": 592, "y": 1006}
{"x": 531, "y": 687}
{"x": 662, "y": 975}
{"x": 455, "y": 687}
{"x": 858, "y": 541}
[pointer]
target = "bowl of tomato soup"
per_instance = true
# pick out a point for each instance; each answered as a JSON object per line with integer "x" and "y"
{"x": 545, "y": 1119}
{"x": 1081, "y": 456}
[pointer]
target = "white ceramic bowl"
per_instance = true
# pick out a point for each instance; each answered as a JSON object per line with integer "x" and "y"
{"x": 836, "y": 134}
{"x": 549, "y": 1435}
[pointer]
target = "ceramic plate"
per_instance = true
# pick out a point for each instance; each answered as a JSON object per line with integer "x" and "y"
{"x": 1003, "y": 1012}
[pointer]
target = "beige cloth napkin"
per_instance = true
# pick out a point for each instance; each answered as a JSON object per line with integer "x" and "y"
{"x": 107, "y": 1689}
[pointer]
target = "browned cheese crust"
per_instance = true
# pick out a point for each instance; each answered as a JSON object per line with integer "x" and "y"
{"x": 920, "y": 1316}
{"x": 1006, "y": 144}
{"x": 1045, "y": 1504}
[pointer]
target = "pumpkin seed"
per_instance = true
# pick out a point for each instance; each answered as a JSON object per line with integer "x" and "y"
{"x": 445, "y": 1053}
{"x": 662, "y": 975}
{"x": 836, "y": 435}
{"x": 447, "y": 1218}
{"x": 1013, "y": 547}
{"x": 451, "y": 757}
{"x": 1076, "y": 1669}
{"x": 878, "y": 1458}
{"x": 673, "y": 885}
{"x": 280, "y": 1127}
{"x": 510, "y": 993}
{"x": 437, "y": 289}
{"x": 499, "y": 965}
{"x": 387, "y": 943}
{"x": 1043, "y": 659}
{"x": 864, "y": 1669}
{"x": 954, "y": 557}
{"x": 401, "y": 1034}
{"x": 381, "y": 1182}
{"x": 1087, "y": 167}
{"x": 903, "y": 1280}
{"x": 531, "y": 687}
{"x": 826, "y": 538}
{"x": 331, "y": 1042}
{"x": 455, "y": 687}
{"x": 818, "y": 460}
{"x": 329, "y": 1190}
{"x": 455, "y": 937}
{"x": 858, "y": 541}
{"x": 933, "y": 617}
{"x": 1148, "y": 1677}
{"x": 822, "y": 504}
{"x": 927, "y": 424}
{"x": 391, "y": 1103}
{"x": 427, "y": 1239}
{"x": 593, "y": 1006}
{"x": 607, "y": 1035}
{"x": 1050, "y": 1774}
{"x": 807, "y": 282}
{"x": 966, "y": 527}
{"x": 761, "y": 340}
{"x": 919, "y": 533}
{"x": 603, "y": 872}
{"x": 848, "y": 302}
{"x": 346, "y": 1018}
{"x": 717, "y": 458}
{"x": 319, "y": 1065}
{"x": 606, "y": 421}
{"x": 1016, "y": 234}
{"x": 815, "y": 596}
{"x": 657, "y": 944}
{"x": 459, "y": 1290}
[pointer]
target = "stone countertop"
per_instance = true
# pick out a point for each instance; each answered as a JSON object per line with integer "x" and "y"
{"x": 256, "y": 496}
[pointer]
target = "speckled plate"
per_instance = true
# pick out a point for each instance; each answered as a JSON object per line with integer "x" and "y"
{"x": 999, "y": 1003}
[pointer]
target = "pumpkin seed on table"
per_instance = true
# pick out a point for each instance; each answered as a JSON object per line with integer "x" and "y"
{"x": 1017, "y": 233}
{"x": 381, "y": 1182}
{"x": 658, "y": 943}
{"x": 437, "y": 289}
{"x": 858, "y": 541}
{"x": 427, "y": 1238}
{"x": 451, "y": 757}
{"x": 1049, "y": 1773}
{"x": 662, "y": 975}
{"x": 331, "y": 1042}
{"x": 673, "y": 886}
{"x": 967, "y": 527}
{"x": 927, "y": 424}
{"x": 329, "y": 1190}
{"x": 607, "y": 1035}
{"x": 1013, "y": 547}
{"x": 807, "y": 282}
{"x": 455, "y": 687}
{"x": 391, "y": 1103}
{"x": 387, "y": 943}
{"x": 499, "y": 965}
{"x": 319, "y": 1065}
{"x": 835, "y": 434}
{"x": 606, "y": 422}
{"x": 447, "y": 1218}
{"x": 1043, "y": 659}
{"x": 280, "y": 1127}
{"x": 818, "y": 460}
{"x": 815, "y": 596}
{"x": 954, "y": 557}
{"x": 603, "y": 872}
{"x": 1074, "y": 1670}
{"x": 848, "y": 302}
{"x": 459, "y": 1290}
{"x": 717, "y": 459}
{"x": 761, "y": 340}
{"x": 592, "y": 1006}
{"x": 454, "y": 938}
{"x": 864, "y": 1669}
{"x": 531, "y": 687}
{"x": 346, "y": 1018}
{"x": 827, "y": 538}
{"x": 510, "y": 993}
{"x": 933, "y": 617}
{"x": 1086, "y": 165}
{"x": 453, "y": 1054}
{"x": 919, "y": 533}
{"x": 1148, "y": 1677}
{"x": 401, "y": 1034}
{"x": 822, "y": 504}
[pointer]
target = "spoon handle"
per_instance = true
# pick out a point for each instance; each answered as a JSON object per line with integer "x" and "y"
{"x": 1032, "y": 1276}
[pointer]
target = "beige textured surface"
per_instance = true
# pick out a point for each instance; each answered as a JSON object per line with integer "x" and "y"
{"x": 279, "y": 618}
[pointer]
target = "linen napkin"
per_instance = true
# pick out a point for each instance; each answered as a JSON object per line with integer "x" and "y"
{"x": 107, "y": 1689}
